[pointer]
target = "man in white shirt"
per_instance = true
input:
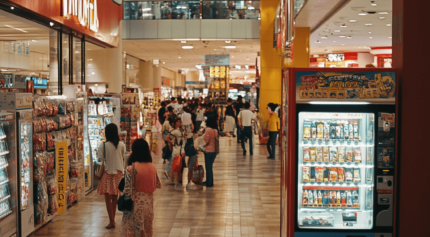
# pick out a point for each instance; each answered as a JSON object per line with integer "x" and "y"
{"x": 177, "y": 108}
{"x": 200, "y": 117}
{"x": 245, "y": 119}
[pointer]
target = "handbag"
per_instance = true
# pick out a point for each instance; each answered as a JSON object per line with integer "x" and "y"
{"x": 125, "y": 203}
{"x": 99, "y": 171}
{"x": 166, "y": 152}
{"x": 216, "y": 143}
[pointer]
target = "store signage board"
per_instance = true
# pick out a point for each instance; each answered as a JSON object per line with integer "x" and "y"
{"x": 62, "y": 162}
{"x": 373, "y": 87}
{"x": 335, "y": 57}
{"x": 217, "y": 60}
{"x": 97, "y": 19}
{"x": 40, "y": 83}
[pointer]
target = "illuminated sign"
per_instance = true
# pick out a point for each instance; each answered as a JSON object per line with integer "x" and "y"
{"x": 335, "y": 57}
{"x": 84, "y": 10}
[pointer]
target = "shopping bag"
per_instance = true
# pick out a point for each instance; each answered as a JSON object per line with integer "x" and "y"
{"x": 198, "y": 174}
{"x": 200, "y": 143}
{"x": 177, "y": 163}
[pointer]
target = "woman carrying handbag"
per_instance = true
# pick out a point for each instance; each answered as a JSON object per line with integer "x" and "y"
{"x": 141, "y": 180}
{"x": 112, "y": 153}
{"x": 211, "y": 137}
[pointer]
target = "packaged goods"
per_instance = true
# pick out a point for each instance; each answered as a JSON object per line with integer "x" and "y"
{"x": 326, "y": 174}
{"x": 325, "y": 199}
{"x": 306, "y": 174}
{"x": 312, "y": 174}
{"x": 355, "y": 124}
{"x": 340, "y": 174}
{"x": 310, "y": 198}
{"x": 326, "y": 157}
{"x": 343, "y": 198}
{"x": 313, "y": 131}
{"x": 348, "y": 198}
{"x": 341, "y": 154}
{"x": 315, "y": 198}
{"x": 338, "y": 198}
{"x": 53, "y": 204}
{"x": 357, "y": 176}
{"x": 43, "y": 124}
{"x": 306, "y": 154}
{"x": 333, "y": 174}
{"x": 332, "y": 197}
{"x": 39, "y": 167}
{"x": 320, "y": 130}
{"x": 313, "y": 154}
{"x": 348, "y": 175}
{"x": 305, "y": 198}
{"x": 369, "y": 156}
{"x": 319, "y": 154}
{"x": 341, "y": 132}
{"x": 332, "y": 131}
{"x": 326, "y": 132}
{"x": 333, "y": 154}
{"x": 346, "y": 131}
{"x": 50, "y": 161}
{"x": 319, "y": 174}
{"x": 337, "y": 131}
{"x": 349, "y": 154}
{"x": 355, "y": 202}
{"x": 357, "y": 155}
{"x": 319, "y": 197}
{"x": 351, "y": 131}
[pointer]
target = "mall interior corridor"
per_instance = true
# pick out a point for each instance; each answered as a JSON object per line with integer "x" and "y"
{"x": 244, "y": 201}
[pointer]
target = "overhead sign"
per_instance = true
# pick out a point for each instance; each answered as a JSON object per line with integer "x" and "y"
{"x": 217, "y": 60}
{"x": 84, "y": 10}
{"x": 62, "y": 162}
{"x": 335, "y": 57}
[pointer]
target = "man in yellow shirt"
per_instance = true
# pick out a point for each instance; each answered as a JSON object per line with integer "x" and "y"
{"x": 274, "y": 124}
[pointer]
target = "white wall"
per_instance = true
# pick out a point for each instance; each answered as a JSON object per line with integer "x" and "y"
{"x": 192, "y": 76}
{"x": 364, "y": 58}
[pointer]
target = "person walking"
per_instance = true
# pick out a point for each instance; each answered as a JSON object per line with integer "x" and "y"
{"x": 161, "y": 113}
{"x": 176, "y": 142}
{"x": 245, "y": 119}
{"x": 229, "y": 114}
{"x": 112, "y": 152}
{"x": 200, "y": 117}
{"x": 274, "y": 124}
{"x": 211, "y": 133}
{"x": 238, "y": 107}
{"x": 141, "y": 180}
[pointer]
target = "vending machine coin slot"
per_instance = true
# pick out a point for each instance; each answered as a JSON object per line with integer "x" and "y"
{"x": 384, "y": 216}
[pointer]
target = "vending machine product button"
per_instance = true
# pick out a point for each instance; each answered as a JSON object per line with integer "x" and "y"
{"x": 389, "y": 183}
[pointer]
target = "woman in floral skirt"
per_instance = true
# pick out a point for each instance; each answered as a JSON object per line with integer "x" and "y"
{"x": 112, "y": 153}
{"x": 140, "y": 187}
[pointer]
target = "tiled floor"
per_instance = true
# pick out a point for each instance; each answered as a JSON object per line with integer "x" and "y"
{"x": 245, "y": 201}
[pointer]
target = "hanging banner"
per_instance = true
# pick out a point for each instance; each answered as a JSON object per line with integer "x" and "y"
{"x": 217, "y": 60}
{"x": 62, "y": 162}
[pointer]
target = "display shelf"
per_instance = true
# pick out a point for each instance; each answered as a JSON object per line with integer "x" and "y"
{"x": 4, "y": 181}
{"x": 5, "y": 214}
{"x": 303, "y": 144}
{"x": 4, "y": 165}
{"x": 334, "y": 209}
{"x": 4, "y": 198}
{"x": 2, "y": 137}
{"x": 346, "y": 188}
{"x": 2, "y": 153}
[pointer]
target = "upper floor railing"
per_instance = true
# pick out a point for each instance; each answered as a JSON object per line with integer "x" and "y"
{"x": 203, "y": 9}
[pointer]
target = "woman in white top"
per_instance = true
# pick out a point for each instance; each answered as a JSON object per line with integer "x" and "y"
{"x": 112, "y": 152}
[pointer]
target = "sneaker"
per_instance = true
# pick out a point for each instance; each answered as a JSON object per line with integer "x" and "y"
{"x": 177, "y": 188}
{"x": 191, "y": 187}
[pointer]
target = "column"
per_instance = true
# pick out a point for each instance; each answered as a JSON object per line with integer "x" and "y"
{"x": 271, "y": 62}
{"x": 410, "y": 50}
{"x": 301, "y": 47}
{"x": 156, "y": 78}
{"x": 115, "y": 67}
{"x": 146, "y": 76}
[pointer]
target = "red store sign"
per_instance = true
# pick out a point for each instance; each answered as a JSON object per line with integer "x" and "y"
{"x": 98, "y": 19}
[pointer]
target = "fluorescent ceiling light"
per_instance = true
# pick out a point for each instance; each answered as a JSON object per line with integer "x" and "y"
{"x": 388, "y": 24}
{"x": 349, "y": 37}
{"x": 147, "y": 14}
{"x": 390, "y": 37}
{"x": 368, "y": 24}
{"x": 337, "y": 103}
{"x": 370, "y": 32}
{"x": 336, "y": 30}
{"x": 323, "y": 37}
{"x": 227, "y": 41}
{"x": 374, "y": 4}
{"x": 230, "y": 47}
{"x": 341, "y": 36}
{"x": 187, "y": 47}
{"x": 343, "y": 25}
{"x": 362, "y": 14}
{"x": 381, "y": 18}
{"x": 183, "y": 41}
{"x": 34, "y": 40}
{"x": 352, "y": 21}
{"x": 383, "y": 13}
{"x": 334, "y": 41}
{"x": 370, "y": 37}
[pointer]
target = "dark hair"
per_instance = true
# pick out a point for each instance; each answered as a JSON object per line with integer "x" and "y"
{"x": 212, "y": 122}
{"x": 111, "y": 132}
{"x": 247, "y": 105}
{"x": 163, "y": 104}
{"x": 140, "y": 152}
{"x": 272, "y": 106}
{"x": 229, "y": 100}
{"x": 170, "y": 109}
{"x": 173, "y": 120}
{"x": 172, "y": 99}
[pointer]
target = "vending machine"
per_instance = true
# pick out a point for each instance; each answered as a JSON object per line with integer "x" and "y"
{"x": 338, "y": 152}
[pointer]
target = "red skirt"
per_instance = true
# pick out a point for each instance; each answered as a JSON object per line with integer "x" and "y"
{"x": 109, "y": 183}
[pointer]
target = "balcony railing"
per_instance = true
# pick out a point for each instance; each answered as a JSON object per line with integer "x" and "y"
{"x": 169, "y": 10}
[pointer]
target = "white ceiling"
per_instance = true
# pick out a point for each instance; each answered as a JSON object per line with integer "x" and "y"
{"x": 362, "y": 36}
{"x": 170, "y": 51}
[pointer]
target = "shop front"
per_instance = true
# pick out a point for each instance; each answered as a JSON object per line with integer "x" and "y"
{"x": 341, "y": 60}
{"x": 52, "y": 52}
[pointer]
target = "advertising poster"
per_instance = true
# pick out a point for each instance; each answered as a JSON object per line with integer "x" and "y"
{"x": 346, "y": 86}
{"x": 217, "y": 60}
{"x": 62, "y": 162}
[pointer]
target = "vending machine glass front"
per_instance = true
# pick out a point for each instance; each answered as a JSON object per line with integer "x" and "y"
{"x": 335, "y": 170}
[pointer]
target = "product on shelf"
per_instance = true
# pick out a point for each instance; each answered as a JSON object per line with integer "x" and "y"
{"x": 334, "y": 130}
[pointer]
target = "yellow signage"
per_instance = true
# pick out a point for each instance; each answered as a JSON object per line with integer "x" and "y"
{"x": 62, "y": 162}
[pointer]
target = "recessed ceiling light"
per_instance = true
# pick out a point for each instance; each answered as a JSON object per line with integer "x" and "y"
{"x": 374, "y": 4}
{"x": 368, "y": 24}
{"x": 381, "y": 18}
{"x": 362, "y": 14}
{"x": 227, "y": 41}
{"x": 388, "y": 24}
{"x": 336, "y": 30}
{"x": 164, "y": 62}
{"x": 12, "y": 8}
{"x": 370, "y": 37}
{"x": 343, "y": 25}
{"x": 323, "y": 37}
{"x": 390, "y": 37}
{"x": 341, "y": 36}
{"x": 334, "y": 41}
{"x": 230, "y": 47}
{"x": 51, "y": 23}
{"x": 179, "y": 57}
{"x": 383, "y": 13}
{"x": 352, "y": 21}
{"x": 370, "y": 32}
{"x": 343, "y": 44}
{"x": 187, "y": 47}
{"x": 214, "y": 49}
{"x": 34, "y": 40}
{"x": 349, "y": 37}
{"x": 183, "y": 41}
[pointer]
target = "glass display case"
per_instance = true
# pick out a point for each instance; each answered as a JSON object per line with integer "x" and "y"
{"x": 335, "y": 170}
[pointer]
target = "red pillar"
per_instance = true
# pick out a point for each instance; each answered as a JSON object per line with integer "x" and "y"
{"x": 411, "y": 52}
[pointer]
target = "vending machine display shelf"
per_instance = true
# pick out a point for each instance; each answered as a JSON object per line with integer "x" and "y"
{"x": 4, "y": 181}
{"x": 4, "y": 198}
{"x": 334, "y": 185}
{"x": 5, "y": 214}
{"x": 331, "y": 164}
{"x": 2, "y": 137}
{"x": 332, "y": 208}
{"x": 3, "y": 165}
{"x": 330, "y": 188}
{"x": 337, "y": 144}
{"x": 2, "y": 153}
